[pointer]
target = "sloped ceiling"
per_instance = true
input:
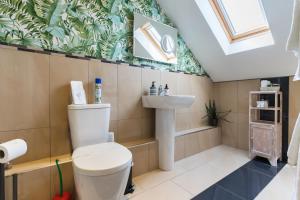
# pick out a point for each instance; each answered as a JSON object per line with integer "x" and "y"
{"x": 272, "y": 61}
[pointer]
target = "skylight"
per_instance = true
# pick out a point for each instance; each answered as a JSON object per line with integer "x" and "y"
{"x": 241, "y": 18}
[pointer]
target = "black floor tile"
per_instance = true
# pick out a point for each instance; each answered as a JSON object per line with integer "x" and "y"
{"x": 217, "y": 193}
{"x": 264, "y": 167}
{"x": 243, "y": 184}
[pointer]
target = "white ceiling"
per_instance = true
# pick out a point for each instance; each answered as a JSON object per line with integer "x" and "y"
{"x": 272, "y": 61}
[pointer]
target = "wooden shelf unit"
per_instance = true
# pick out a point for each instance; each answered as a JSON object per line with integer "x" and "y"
{"x": 265, "y": 136}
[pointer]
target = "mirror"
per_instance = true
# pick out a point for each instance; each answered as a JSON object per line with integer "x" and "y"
{"x": 154, "y": 40}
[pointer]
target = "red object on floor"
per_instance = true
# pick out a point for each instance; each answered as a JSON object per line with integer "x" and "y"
{"x": 65, "y": 196}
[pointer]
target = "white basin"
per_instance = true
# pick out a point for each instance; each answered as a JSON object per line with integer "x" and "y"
{"x": 168, "y": 102}
{"x": 165, "y": 124}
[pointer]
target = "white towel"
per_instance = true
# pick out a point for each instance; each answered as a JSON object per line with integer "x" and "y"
{"x": 297, "y": 183}
{"x": 294, "y": 144}
{"x": 293, "y": 43}
{"x": 294, "y": 38}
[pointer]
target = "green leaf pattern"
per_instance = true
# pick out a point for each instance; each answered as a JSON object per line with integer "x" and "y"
{"x": 96, "y": 28}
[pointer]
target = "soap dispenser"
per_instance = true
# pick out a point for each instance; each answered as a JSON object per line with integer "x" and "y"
{"x": 166, "y": 90}
{"x": 160, "y": 91}
{"x": 153, "y": 90}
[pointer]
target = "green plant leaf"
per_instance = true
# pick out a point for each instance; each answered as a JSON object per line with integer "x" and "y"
{"x": 56, "y": 31}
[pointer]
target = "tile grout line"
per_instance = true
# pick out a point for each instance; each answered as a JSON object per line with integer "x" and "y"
{"x": 182, "y": 188}
{"x": 25, "y": 129}
{"x": 164, "y": 181}
{"x": 227, "y": 190}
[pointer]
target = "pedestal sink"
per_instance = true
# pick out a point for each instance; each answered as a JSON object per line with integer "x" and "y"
{"x": 165, "y": 124}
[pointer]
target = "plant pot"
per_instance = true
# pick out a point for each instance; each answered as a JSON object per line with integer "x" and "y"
{"x": 213, "y": 122}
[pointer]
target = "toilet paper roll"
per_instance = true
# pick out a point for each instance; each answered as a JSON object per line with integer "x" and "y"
{"x": 12, "y": 149}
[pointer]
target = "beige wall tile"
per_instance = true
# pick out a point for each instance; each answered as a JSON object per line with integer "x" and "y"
{"x": 140, "y": 159}
{"x": 179, "y": 148}
{"x": 234, "y": 96}
{"x": 60, "y": 140}
{"x": 243, "y": 131}
{"x": 34, "y": 185}
{"x": 24, "y": 86}
{"x": 197, "y": 119}
{"x": 203, "y": 140}
{"x": 294, "y": 104}
{"x": 8, "y": 188}
{"x": 244, "y": 87}
{"x": 8, "y": 47}
{"x": 129, "y": 130}
{"x": 214, "y": 136}
{"x": 153, "y": 156}
{"x": 148, "y": 127}
{"x": 170, "y": 78}
{"x": 129, "y": 92}
{"x": 183, "y": 121}
{"x": 217, "y": 94}
{"x": 203, "y": 89}
{"x": 184, "y": 87}
{"x": 292, "y": 123}
{"x": 62, "y": 71}
{"x": 68, "y": 179}
{"x": 38, "y": 143}
{"x": 149, "y": 75}
{"x": 109, "y": 74}
{"x": 228, "y": 96}
{"x": 230, "y": 130}
{"x": 184, "y": 84}
{"x": 294, "y": 98}
{"x": 191, "y": 144}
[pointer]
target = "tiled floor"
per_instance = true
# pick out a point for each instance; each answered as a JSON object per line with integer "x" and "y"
{"x": 281, "y": 187}
{"x": 243, "y": 184}
{"x": 197, "y": 173}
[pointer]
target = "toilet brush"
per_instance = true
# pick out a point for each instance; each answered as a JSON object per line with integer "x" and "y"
{"x": 62, "y": 195}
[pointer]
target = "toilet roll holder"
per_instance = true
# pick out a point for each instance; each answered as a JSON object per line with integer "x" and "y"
{"x": 2, "y": 181}
{"x": 6, "y": 165}
{"x": 3, "y": 167}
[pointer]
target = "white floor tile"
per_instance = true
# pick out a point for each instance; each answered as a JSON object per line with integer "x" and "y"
{"x": 194, "y": 174}
{"x": 230, "y": 162}
{"x": 156, "y": 177}
{"x": 281, "y": 187}
{"x": 193, "y": 161}
{"x": 199, "y": 179}
{"x": 165, "y": 191}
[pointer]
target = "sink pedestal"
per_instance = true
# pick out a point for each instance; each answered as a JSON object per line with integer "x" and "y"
{"x": 165, "y": 134}
{"x": 165, "y": 124}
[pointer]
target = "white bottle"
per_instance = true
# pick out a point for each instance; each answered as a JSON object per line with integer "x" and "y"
{"x": 98, "y": 90}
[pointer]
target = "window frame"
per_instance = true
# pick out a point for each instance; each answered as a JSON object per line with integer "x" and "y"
{"x": 227, "y": 27}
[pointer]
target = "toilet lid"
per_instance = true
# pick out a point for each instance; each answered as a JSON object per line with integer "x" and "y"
{"x": 101, "y": 159}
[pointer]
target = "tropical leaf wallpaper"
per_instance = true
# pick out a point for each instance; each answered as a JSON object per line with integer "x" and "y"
{"x": 97, "y": 28}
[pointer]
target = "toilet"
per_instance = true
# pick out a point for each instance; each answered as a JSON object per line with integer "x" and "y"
{"x": 101, "y": 166}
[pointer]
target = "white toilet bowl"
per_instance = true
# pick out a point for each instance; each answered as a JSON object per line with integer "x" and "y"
{"x": 101, "y": 168}
{"x": 101, "y": 171}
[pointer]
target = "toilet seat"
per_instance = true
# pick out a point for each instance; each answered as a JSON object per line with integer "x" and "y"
{"x": 101, "y": 159}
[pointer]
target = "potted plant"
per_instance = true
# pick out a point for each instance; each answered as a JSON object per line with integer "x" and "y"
{"x": 213, "y": 115}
